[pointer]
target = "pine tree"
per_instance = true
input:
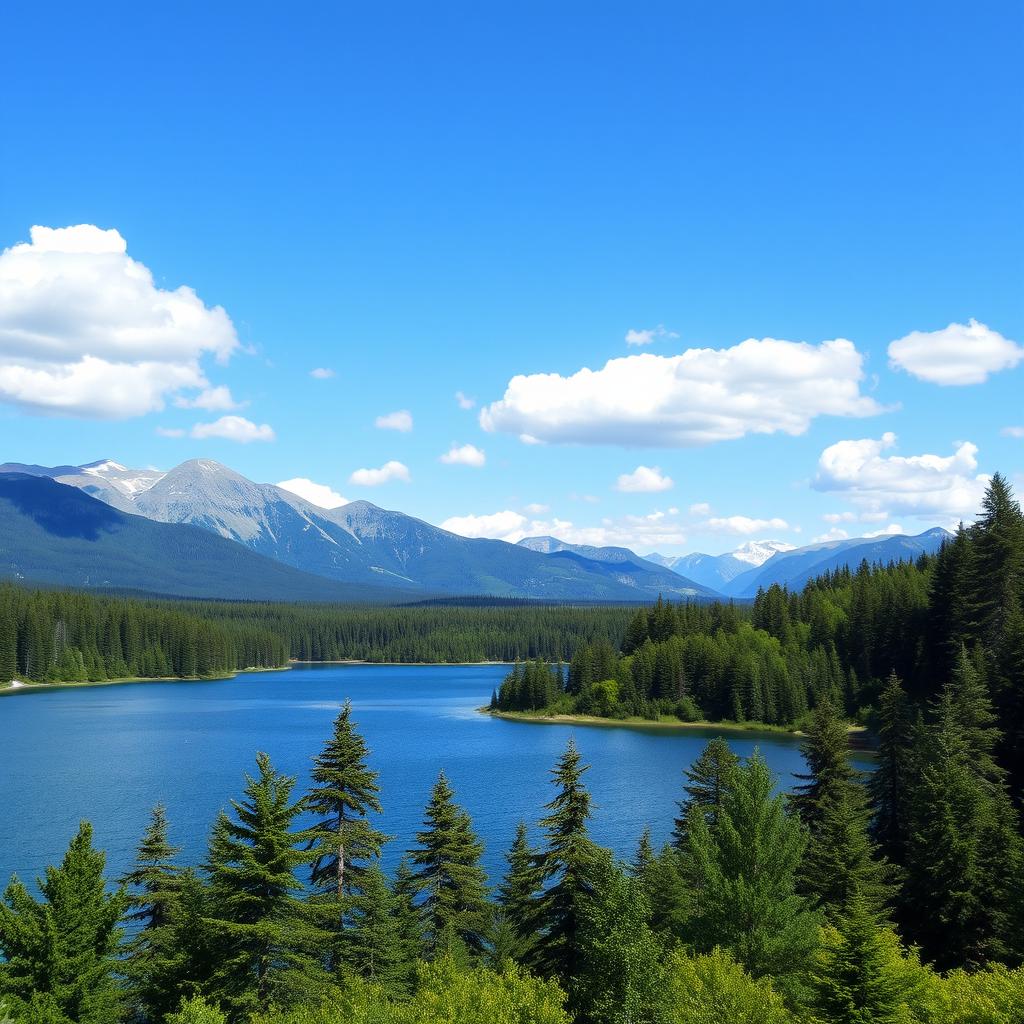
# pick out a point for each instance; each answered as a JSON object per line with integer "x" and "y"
{"x": 840, "y": 858}
{"x": 345, "y": 791}
{"x": 407, "y": 915}
{"x": 858, "y": 980}
{"x": 59, "y": 953}
{"x": 269, "y": 950}
{"x": 566, "y": 864}
{"x": 998, "y": 537}
{"x": 890, "y": 782}
{"x": 449, "y": 876}
{"x": 708, "y": 781}
{"x": 746, "y": 868}
{"x": 517, "y": 894}
{"x": 374, "y": 946}
{"x": 154, "y": 885}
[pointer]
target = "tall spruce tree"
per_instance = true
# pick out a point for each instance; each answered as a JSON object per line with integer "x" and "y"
{"x": 517, "y": 894}
{"x": 374, "y": 947}
{"x": 745, "y": 867}
{"x": 567, "y": 864}
{"x": 889, "y": 784}
{"x": 59, "y": 953}
{"x": 707, "y": 782}
{"x": 449, "y": 877}
{"x": 154, "y": 885}
{"x": 344, "y": 792}
{"x": 840, "y": 858}
{"x": 269, "y": 950}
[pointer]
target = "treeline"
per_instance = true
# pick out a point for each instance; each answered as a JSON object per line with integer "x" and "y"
{"x": 763, "y": 909}
{"x": 54, "y": 636}
{"x": 840, "y": 637}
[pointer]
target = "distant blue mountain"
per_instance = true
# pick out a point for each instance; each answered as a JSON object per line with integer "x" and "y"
{"x": 794, "y": 568}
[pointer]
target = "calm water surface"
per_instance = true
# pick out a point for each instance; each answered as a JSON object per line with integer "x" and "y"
{"x": 110, "y": 753}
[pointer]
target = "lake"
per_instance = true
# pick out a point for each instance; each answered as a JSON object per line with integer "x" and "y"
{"x": 110, "y": 753}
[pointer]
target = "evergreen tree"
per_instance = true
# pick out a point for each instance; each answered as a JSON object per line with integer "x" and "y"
{"x": 858, "y": 979}
{"x": 269, "y": 951}
{"x": 344, "y": 792}
{"x": 517, "y": 894}
{"x": 449, "y": 876}
{"x": 374, "y": 945}
{"x": 746, "y": 869}
{"x": 406, "y": 913}
{"x": 708, "y": 781}
{"x": 566, "y": 864}
{"x": 154, "y": 885}
{"x": 59, "y": 953}
{"x": 840, "y": 858}
{"x": 889, "y": 784}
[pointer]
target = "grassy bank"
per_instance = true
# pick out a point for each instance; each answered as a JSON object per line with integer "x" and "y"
{"x": 10, "y": 688}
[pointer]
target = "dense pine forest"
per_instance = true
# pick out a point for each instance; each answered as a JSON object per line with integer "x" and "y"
{"x": 53, "y": 636}
{"x": 764, "y": 908}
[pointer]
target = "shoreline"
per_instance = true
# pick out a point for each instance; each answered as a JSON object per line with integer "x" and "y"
{"x": 9, "y": 689}
{"x": 419, "y": 664}
{"x": 651, "y": 723}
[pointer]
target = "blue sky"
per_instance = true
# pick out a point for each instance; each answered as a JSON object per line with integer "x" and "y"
{"x": 428, "y": 199}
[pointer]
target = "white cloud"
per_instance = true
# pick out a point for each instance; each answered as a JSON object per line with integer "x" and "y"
{"x": 644, "y": 479}
{"x": 400, "y": 420}
{"x": 465, "y": 402}
{"x": 696, "y": 398}
{"x": 217, "y": 399}
{"x": 85, "y": 331}
{"x": 836, "y": 533}
{"x": 1012, "y": 431}
{"x": 169, "y": 432}
{"x": 956, "y": 355}
{"x": 318, "y": 494}
{"x": 464, "y": 455}
{"x": 889, "y": 531}
{"x": 322, "y": 373}
{"x": 742, "y": 525}
{"x": 658, "y": 528}
{"x": 946, "y": 488}
{"x": 645, "y": 337}
{"x": 234, "y": 428}
{"x": 374, "y": 477}
{"x": 701, "y": 508}
{"x": 536, "y": 509}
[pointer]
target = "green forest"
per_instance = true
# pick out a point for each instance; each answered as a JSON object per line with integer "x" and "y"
{"x": 764, "y": 908}
{"x": 56, "y": 636}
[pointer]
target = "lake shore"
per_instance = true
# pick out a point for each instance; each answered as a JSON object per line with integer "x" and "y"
{"x": 651, "y": 723}
{"x": 419, "y": 664}
{"x": 17, "y": 686}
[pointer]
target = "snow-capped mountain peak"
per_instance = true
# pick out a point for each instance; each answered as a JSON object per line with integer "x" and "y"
{"x": 757, "y": 552}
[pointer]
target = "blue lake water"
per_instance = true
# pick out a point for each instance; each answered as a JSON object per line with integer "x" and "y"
{"x": 110, "y": 753}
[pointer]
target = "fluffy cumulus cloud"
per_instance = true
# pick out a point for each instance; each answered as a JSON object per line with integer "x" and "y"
{"x": 743, "y": 526}
{"x": 385, "y": 474}
{"x": 943, "y": 488}
{"x": 644, "y": 479}
{"x": 698, "y": 397}
{"x": 958, "y": 354}
{"x": 464, "y": 455}
{"x": 318, "y": 494}
{"x": 322, "y": 373}
{"x": 658, "y": 528}
{"x": 233, "y": 428}
{"x": 217, "y": 399}
{"x": 648, "y": 336}
{"x": 85, "y": 331}
{"x": 400, "y": 420}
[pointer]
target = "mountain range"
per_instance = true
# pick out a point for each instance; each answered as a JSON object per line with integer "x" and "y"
{"x": 357, "y": 544}
{"x": 204, "y": 530}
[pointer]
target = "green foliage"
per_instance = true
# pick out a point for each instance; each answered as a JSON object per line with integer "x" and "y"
{"x": 745, "y": 870}
{"x": 266, "y": 943}
{"x": 567, "y": 865}
{"x": 59, "y": 951}
{"x": 713, "y": 989}
{"x": 708, "y": 781}
{"x": 517, "y": 897}
{"x": 195, "y": 1011}
{"x": 449, "y": 877}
